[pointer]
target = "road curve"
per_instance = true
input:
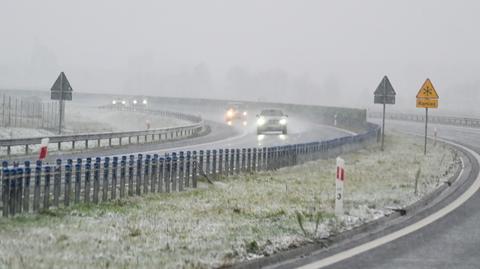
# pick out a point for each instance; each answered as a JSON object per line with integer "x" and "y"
{"x": 449, "y": 241}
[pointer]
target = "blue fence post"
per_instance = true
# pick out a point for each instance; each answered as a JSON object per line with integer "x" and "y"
{"x": 68, "y": 185}
{"x": 168, "y": 163}
{"x": 227, "y": 162}
{"x": 188, "y": 168}
{"x": 264, "y": 158}
{"x": 254, "y": 160}
{"x": 237, "y": 161}
{"x": 106, "y": 172}
{"x": 138, "y": 183}
{"x": 220, "y": 162}
{"x": 46, "y": 189}
{"x": 13, "y": 191}
{"x": 161, "y": 174}
{"x": 207, "y": 163}
{"x": 5, "y": 190}
{"x": 174, "y": 168}
{"x": 194, "y": 169}
{"x": 113, "y": 194}
{"x": 269, "y": 158}
{"x": 57, "y": 181}
{"x": 26, "y": 192}
{"x": 88, "y": 174}
{"x": 36, "y": 188}
{"x": 214, "y": 163}
{"x": 78, "y": 180}
{"x": 146, "y": 174}
{"x": 96, "y": 180}
{"x": 154, "y": 174}
{"x": 200, "y": 162}
{"x": 249, "y": 160}
{"x": 244, "y": 156}
{"x": 123, "y": 175}
{"x": 131, "y": 163}
{"x": 181, "y": 171}
{"x": 19, "y": 194}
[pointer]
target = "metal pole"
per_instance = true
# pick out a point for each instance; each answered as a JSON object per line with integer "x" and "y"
{"x": 9, "y": 110}
{"x": 383, "y": 126}
{"x": 60, "y": 115}
{"x": 426, "y": 124}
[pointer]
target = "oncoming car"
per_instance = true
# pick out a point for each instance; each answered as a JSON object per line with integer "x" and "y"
{"x": 236, "y": 112}
{"x": 271, "y": 120}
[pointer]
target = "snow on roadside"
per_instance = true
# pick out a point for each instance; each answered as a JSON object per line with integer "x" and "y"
{"x": 240, "y": 218}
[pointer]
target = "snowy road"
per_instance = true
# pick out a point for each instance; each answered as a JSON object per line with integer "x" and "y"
{"x": 453, "y": 241}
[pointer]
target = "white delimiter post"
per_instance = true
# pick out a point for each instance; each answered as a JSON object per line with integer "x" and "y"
{"x": 339, "y": 187}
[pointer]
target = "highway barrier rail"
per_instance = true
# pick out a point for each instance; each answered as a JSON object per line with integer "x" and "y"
{"x": 115, "y": 138}
{"x": 448, "y": 120}
{"x": 43, "y": 186}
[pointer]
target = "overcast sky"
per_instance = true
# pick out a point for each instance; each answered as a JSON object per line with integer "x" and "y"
{"x": 325, "y": 52}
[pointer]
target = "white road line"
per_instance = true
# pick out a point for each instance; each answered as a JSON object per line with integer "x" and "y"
{"x": 407, "y": 230}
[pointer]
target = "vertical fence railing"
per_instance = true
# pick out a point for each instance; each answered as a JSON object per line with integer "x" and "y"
{"x": 25, "y": 189}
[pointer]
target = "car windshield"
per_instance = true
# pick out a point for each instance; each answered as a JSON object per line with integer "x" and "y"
{"x": 271, "y": 112}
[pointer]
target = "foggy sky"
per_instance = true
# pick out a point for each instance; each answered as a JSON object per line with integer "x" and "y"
{"x": 316, "y": 52}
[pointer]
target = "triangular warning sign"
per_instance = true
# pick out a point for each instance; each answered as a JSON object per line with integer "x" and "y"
{"x": 427, "y": 91}
{"x": 385, "y": 88}
{"x": 61, "y": 84}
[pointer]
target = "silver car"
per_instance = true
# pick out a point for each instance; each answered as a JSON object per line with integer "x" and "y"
{"x": 271, "y": 120}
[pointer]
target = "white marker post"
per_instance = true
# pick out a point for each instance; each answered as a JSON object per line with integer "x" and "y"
{"x": 43, "y": 148}
{"x": 339, "y": 187}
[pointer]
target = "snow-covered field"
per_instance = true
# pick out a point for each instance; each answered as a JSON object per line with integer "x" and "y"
{"x": 235, "y": 219}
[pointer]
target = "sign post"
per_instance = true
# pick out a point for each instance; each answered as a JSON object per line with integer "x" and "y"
{"x": 61, "y": 91}
{"x": 339, "y": 187}
{"x": 427, "y": 97}
{"x": 384, "y": 94}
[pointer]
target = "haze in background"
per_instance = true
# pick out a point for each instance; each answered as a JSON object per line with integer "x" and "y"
{"x": 314, "y": 52}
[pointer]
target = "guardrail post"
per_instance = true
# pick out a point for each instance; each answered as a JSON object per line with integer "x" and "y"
{"x": 220, "y": 162}
{"x": 26, "y": 193}
{"x": 114, "y": 178}
{"x": 174, "y": 168}
{"x": 214, "y": 163}
{"x": 106, "y": 170}
{"x": 254, "y": 160}
{"x": 123, "y": 177}
{"x": 138, "y": 182}
{"x": 131, "y": 164}
{"x": 86, "y": 143}
{"x": 188, "y": 168}
{"x": 88, "y": 173}
{"x": 5, "y": 190}
{"x": 96, "y": 180}
{"x": 181, "y": 172}
{"x": 68, "y": 180}
{"x": 57, "y": 177}
{"x": 78, "y": 180}
{"x": 207, "y": 163}
{"x": 46, "y": 190}
{"x": 168, "y": 170}
{"x": 161, "y": 174}
{"x": 146, "y": 174}
{"x": 194, "y": 169}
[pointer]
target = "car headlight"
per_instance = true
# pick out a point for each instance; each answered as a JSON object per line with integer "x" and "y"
{"x": 283, "y": 121}
{"x": 144, "y": 101}
{"x": 124, "y": 102}
{"x": 134, "y": 102}
{"x": 245, "y": 113}
{"x": 114, "y": 102}
{"x": 261, "y": 121}
{"x": 230, "y": 113}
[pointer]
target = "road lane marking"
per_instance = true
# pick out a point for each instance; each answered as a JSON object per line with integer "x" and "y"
{"x": 407, "y": 230}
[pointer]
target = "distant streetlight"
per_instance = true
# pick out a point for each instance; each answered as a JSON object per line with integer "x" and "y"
{"x": 144, "y": 101}
{"x": 124, "y": 102}
{"x": 134, "y": 102}
{"x": 114, "y": 102}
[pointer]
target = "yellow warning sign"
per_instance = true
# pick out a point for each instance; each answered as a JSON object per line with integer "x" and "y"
{"x": 427, "y": 91}
{"x": 427, "y": 103}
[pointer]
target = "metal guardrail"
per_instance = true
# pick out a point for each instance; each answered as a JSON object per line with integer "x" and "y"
{"x": 25, "y": 189}
{"x": 460, "y": 121}
{"x": 148, "y": 135}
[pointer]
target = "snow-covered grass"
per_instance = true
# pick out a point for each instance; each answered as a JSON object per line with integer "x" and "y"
{"x": 235, "y": 219}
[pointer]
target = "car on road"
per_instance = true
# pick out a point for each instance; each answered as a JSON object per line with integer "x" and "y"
{"x": 236, "y": 112}
{"x": 272, "y": 120}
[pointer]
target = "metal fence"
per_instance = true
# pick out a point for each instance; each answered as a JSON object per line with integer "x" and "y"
{"x": 28, "y": 112}
{"x": 460, "y": 121}
{"x": 39, "y": 188}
